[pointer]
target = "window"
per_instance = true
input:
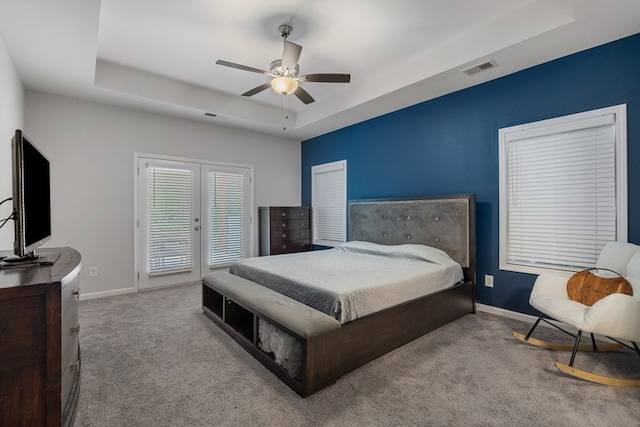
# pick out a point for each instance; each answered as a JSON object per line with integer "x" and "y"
{"x": 170, "y": 213}
{"x": 229, "y": 220}
{"x": 563, "y": 190}
{"x": 329, "y": 203}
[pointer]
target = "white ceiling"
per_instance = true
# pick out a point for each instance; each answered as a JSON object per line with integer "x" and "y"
{"x": 160, "y": 55}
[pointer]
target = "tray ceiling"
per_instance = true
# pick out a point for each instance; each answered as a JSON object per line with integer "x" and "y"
{"x": 159, "y": 55}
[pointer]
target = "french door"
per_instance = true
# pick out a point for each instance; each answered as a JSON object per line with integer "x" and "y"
{"x": 191, "y": 218}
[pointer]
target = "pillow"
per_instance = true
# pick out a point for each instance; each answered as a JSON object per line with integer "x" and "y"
{"x": 588, "y": 288}
{"x": 406, "y": 251}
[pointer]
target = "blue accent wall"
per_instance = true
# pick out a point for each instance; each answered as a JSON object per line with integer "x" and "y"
{"x": 450, "y": 145}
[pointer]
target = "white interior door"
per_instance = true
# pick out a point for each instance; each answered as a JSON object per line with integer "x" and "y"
{"x": 169, "y": 222}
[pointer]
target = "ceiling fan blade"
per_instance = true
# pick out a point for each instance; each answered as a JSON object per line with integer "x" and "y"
{"x": 325, "y": 78}
{"x": 290, "y": 55}
{"x": 240, "y": 67}
{"x": 257, "y": 89}
{"x": 303, "y": 95}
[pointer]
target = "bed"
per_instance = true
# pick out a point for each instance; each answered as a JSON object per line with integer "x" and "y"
{"x": 315, "y": 316}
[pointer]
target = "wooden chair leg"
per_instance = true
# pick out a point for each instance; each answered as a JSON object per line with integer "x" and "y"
{"x": 595, "y": 378}
{"x": 564, "y": 347}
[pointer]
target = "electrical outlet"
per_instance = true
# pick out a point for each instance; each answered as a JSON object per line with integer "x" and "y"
{"x": 488, "y": 280}
{"x": 93, "y": 271}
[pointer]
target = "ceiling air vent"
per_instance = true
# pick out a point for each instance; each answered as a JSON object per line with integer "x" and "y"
{"x": 480, "y": 67}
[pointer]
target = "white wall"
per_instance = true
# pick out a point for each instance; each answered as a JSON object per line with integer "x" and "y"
{"x": 91, "y": 148}
{"x": 11, "y": 118}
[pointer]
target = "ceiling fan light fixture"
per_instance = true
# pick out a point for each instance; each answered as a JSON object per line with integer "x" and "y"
{"x": 285, "y": 73}
{"x": 284, "y": 85}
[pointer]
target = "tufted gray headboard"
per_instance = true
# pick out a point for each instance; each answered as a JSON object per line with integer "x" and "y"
{"x": 445, "y": 222}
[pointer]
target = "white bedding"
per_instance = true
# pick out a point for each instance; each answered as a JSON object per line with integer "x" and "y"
{"x": 356, "y": 278}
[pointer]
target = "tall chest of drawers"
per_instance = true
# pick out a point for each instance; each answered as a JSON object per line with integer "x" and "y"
{"x": 284, "y": 230}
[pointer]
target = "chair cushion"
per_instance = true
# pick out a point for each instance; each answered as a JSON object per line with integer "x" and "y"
{"x": 633, "y": 273}
{"x": 617, "y": 315}
{"x": 561, "y": 309}
{"x": 616, "y": 255}
{"x": 633, "y": 268}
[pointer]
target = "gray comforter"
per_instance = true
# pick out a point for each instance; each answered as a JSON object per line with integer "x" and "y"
{"x": 356, "y": 278}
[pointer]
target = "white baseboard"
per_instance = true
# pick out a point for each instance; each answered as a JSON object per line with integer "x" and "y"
{"x": 124, "y": 291}
{"x": 173, "y": 285}
{"x": 506, "y": 313}
{"x": 105, "y": 294}
{"x": 523, "y": 317}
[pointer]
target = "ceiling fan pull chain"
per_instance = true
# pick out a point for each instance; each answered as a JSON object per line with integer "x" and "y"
{"x": 284, "y": 116}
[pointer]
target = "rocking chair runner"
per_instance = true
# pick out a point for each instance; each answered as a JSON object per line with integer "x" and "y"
{"x": 614, "y": 315}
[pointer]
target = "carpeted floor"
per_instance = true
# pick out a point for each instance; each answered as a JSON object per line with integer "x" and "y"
{"x": 153, "y": 359}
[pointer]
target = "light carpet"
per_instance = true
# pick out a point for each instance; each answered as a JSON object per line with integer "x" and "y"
{"x": 154, "y": 359}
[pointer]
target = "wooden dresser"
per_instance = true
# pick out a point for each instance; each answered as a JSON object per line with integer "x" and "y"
{"x": 39, "y": 343}
{"x": 285, "y": 230}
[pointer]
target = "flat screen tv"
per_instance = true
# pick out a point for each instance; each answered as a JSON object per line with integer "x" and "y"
{"x": 31, "y": 197}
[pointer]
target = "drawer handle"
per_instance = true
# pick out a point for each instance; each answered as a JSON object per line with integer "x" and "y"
{"x": 75, "y": 367}
{"x": 284, "y": 235}
{"x": 75, "y": 330}
{"x": 76, "y": 293}
{"x": 284, "y": 214}
{"x": 284, "y": 246}
{"x": 284, "y": 225}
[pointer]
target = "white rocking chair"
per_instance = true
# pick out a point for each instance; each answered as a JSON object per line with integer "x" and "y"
{"x": 616, "y": 316}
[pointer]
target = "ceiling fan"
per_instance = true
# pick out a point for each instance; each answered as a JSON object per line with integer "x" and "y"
{"x": 285, "y": 72}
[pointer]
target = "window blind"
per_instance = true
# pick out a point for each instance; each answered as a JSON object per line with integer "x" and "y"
{"x": 170, "y": 217}
{"x": 227, "y": 218}
{"x": 329, "y": 203}
{"x": 561, "y": 193}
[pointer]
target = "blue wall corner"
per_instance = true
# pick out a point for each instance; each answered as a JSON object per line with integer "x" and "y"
{"x": 450, "y": 145}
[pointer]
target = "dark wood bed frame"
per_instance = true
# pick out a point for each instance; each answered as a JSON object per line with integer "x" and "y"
{"x": 445, "y": 222}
